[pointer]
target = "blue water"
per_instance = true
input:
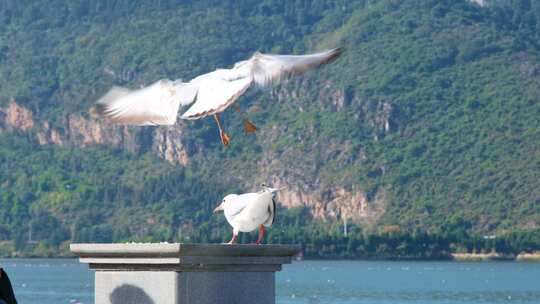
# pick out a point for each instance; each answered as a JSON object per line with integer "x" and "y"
{"x": 409, "y": 282}
{"x": 48, "y": 281}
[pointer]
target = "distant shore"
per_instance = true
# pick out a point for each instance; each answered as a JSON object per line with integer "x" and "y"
{"x": 7, "y": 250}
{"x": 529, "y": 257}
{"x": 454, "y": 257}
{"x": 522, "y": 257}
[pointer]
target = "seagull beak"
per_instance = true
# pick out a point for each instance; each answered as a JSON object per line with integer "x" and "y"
{"x": 274, "y": 190}
{"x": 218, "y": 208}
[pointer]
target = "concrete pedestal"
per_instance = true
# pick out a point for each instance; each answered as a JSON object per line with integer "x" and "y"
{"x": 184, "y": 273}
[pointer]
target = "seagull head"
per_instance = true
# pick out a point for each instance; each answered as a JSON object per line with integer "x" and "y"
{"x": 226, "y": 200}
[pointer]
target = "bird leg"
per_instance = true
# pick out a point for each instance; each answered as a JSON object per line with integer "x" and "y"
{"x": 261, "y": 235}
{"x": 249, "y": 127}
{"x": 233, "y": 240}
{"x": 225, "y": 139}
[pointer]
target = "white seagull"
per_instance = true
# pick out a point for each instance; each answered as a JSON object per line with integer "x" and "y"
{"x": 249, "y": 211}
{"x": 211, "y": 93}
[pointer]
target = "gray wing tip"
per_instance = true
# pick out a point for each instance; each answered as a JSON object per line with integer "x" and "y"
{"x": 98, "y": 110}
{"x": 192, "y": 117}
{"x": 102, "y": 108}
{"x": 333, "y": 54}
{"x": 274, "y": 213}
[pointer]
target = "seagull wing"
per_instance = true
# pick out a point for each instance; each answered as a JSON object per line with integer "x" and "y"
{"x": 219, "y": 89}
{"x": 156, "y": 104}
{"x": 215, "y": 94}
{"x": 267, "y": 68}
{"x": 240, "y": 203}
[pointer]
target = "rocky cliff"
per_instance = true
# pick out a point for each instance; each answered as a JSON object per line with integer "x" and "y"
{"x": 77, "y": 130}
{"x": 15, "y": 116}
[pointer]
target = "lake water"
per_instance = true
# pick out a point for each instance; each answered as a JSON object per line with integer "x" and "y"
{"x": 48, "y": 281}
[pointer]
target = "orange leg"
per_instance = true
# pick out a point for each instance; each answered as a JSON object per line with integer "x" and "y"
{"x": 261, "y": 235}
{"x": 249, "y": 127}
{"x": 225, "y": 139}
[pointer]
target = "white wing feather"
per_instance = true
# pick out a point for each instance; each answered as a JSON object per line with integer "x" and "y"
{"x": 156, "y": 104}
{"x": 267, "y": 69}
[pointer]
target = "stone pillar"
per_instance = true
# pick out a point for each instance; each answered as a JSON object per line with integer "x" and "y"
{"x": 184, "y": 273}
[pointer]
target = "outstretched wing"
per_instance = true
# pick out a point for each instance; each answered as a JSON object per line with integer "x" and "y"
{"x": 267, "y": 68}
{"x": 215, "y": 94}
{"x": 219, "y": 89}
{"x": 156, "y": 104}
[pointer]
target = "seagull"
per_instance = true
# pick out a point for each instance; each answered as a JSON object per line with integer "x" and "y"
{"x": 249, "y": 211}
{"x": 209, "y": 94}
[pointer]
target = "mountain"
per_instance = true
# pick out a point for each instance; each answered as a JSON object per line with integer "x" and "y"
{"x": 427, "y": 123}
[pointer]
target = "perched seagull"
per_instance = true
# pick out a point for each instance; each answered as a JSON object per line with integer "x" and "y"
{"x": 249, "y": 211}
{"x": 210, "y": 93}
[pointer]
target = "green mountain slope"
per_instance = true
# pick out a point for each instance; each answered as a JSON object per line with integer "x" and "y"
{"x": 428, "y": 122}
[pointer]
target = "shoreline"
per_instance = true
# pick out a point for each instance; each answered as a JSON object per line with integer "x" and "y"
{"x": 534, "y": 256}
{"x": 479, "y": 257}
{"x": 454, "y": 257}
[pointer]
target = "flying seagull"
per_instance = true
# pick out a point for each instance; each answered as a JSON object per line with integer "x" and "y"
{"x": 249, "y": 211}
{"x": 211, "y": 93}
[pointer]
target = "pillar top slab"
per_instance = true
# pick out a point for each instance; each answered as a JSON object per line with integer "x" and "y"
{"x": 184, "y": 257}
